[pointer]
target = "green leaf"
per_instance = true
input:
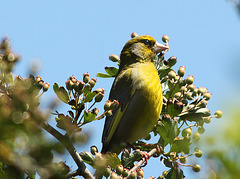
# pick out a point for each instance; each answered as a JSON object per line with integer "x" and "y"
{"x": 174, "y": 109}
{"x": 88, "y": 117}
{"x": 180, "y": 145}
{"x": 61, "y": 92}
{"x": 168, "y": 130}
{"x": 89, "y": 96}
{"x": 194, "y": 114}
{"x": 175, "y": 173}
{"x": 167, "y": 162}
{"x": 128, "y": 160}
{"x": 103, "y": 75}
{"x": 111, "y": 71}
{"x": 112, "y": 160}
{"x": 87, "y": 157}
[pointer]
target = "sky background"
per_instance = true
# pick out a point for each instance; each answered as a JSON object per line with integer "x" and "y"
{"x": 75, "y": 37}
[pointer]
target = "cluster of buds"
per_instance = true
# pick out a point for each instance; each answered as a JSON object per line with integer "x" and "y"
{"x": 83, "y": 86}
{"x": 7, "y": 58}
{"x": 110, "y": 106}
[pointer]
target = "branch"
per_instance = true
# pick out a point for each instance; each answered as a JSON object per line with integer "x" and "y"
{"x": 143, "y": 160}
{"x": 82, "y": 169}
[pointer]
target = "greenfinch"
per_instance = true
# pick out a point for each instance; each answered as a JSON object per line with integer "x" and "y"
{"x": 137, "y": 88}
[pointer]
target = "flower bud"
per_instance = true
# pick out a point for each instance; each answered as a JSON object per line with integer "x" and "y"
{"x": 38, "y": 78}
{"x": 172, "y": 61}
{"x": 108, "y": 113}
{"x": 85, "y": 77}
{"x": 114, "y": 58}
{"x": 177, "y": 94}
{"x": 195, "y": 92}
{"x": 93, "y": 149}
{"x": 100, "y": 90}
{"x": 198, "y": 154}
{"x": 177, "y": 78}
{"x": 183, "y": 89}
{"x": 119, "y": 169}
{"x": 95, "y": 111}
{"x": 218, "y": 114}
{"x": 207, "y": 120}
{"x": 181, "y": 71}
{"x": 114, "y": 105}
{"x": 134, "y": 34}
{"x": 99, "y": 97}
{"x": 92, "y": 82}
{"x": 46, "y": 87}
{"x": 196, "y": 168}
{"x": 107, "y": 172}
{"x": 202, "y": 90}
{"x": 196, "y": 136}
{"x": 140, "y": 173}
{"x": 113, "y": 176}
{"x": 125, "y": 172}
{"x": 207, "y": 96}
{"x": 190, "y": 80}
{"x": 69, "y": 84}
{"x": 73, "y": 79}
{"x": 201, "y": 130}
{"x": 183, "y": 160}
{"x": 172, "y": 75}
{"x": 191, "y": 87}
{"x": 165, "y": 38}
{"x": 187, "y": 132}
{"x": 133, "y": 175}
{"x": 107, "y": 105}
{"x": 10, "y": 57}
{"x": 5, "y": 44}
{"x": 189, "y": 96}
{"x": 80, "y": 85}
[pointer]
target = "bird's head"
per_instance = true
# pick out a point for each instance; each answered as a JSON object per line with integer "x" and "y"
{"x": 140, "y": 49}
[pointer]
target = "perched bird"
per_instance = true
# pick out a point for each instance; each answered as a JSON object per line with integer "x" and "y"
{"x": 137, "y": 88}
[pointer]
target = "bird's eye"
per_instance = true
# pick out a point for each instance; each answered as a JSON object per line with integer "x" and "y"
{"x": 147, "y": 42}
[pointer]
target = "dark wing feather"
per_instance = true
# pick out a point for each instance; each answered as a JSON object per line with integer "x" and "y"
{"x": 121, "y": 91}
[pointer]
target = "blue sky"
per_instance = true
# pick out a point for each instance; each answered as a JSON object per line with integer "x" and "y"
{"x": 74, "y": 37}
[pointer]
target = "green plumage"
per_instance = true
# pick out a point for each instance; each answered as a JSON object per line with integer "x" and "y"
{"x": 138, "y": 90}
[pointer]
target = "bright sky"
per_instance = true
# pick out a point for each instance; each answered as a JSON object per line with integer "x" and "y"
{"x": 74, "y": 37}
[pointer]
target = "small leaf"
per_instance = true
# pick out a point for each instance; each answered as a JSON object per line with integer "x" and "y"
{"x": 174, "y": 109}
{"x": 168, "y": 130}
{"x": 89, "y": 117}
{"x": 112, "y": 160}
{"x": 135, "y": 156}
{"x": 175, "y": 174}
{"x": 103, "y": 75}
{"x": 195, "y": 114}
{"x": 89, "y": 96}
{"x": 167, "y": 162}
{"x": 180, "y": 145}
{"x": 61, "y": 93}
{"x": 112, "y": 71}
{"x": 87, "y": 157}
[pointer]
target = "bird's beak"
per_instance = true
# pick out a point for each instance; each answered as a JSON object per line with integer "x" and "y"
{"x": 157, "y": 48}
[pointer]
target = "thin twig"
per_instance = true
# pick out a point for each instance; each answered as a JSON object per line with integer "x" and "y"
{"x": 83, "y": 171}
{"x": 143, "y": 160}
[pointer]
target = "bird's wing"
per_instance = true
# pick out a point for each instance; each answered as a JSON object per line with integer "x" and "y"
{"x": 122, "y": 91}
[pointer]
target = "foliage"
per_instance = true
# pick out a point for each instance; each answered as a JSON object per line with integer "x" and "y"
{"x": 26, "y": 152}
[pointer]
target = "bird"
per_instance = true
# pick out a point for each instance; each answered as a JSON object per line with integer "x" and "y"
{"x": 137, "y": 88}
